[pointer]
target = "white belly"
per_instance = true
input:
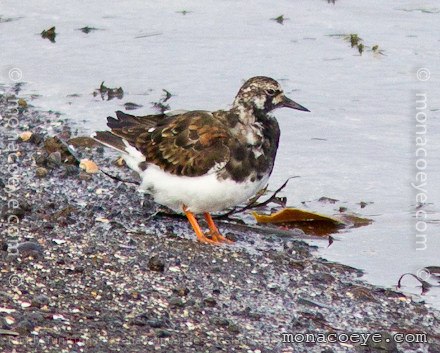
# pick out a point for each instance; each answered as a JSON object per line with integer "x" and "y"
{"x": 200, "y": 194}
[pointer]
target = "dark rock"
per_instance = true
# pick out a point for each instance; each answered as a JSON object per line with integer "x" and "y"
{"x": 40, "y": 301}
{"x": 181, "y": 291}
{"x": 156, "y": 264}
{"x": 24, "y": 327}
{"x": 20, "y": 211}
{"x": 176, "y": 302}
{"x": 75, "y": 270}
{"x": 35, "y": 317}
{"x": 41, "y": 159}
{"x": 322, "y": 278}
{"x": 85, "y": 176}
{"x": 232, "y": 236}
{"x": 220, "y": 321}
{"x": 55, "y": 145}
{"x": 140, "y": 320}
{"x": 210, "y": 301}
{"x": 30, "y": 248}
{"x": 54, "y": 160}
{"x": 36, "y": 139}
{"x": 233, "y": 328}
{"x": 155, "y": 323}
{"x": 163, "y": 333}
{"x": 71, "y": 170}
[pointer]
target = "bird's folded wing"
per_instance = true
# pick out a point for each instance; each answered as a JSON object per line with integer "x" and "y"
{"x": 191, "y": 144}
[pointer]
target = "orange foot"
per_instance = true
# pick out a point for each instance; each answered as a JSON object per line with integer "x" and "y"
{"x": 217, "y": 238}
{"x": 214, "y": 230}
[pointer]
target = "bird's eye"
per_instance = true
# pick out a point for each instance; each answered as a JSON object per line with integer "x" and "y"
{"x": 270, "y": 92}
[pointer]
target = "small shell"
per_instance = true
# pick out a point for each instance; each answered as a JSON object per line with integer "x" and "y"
{"x": 89, "y": 166}
{"x": 25, "y": 136}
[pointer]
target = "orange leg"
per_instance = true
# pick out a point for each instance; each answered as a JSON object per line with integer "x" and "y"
{"x": 216, "y": 236}
{"x": 200, "y": 236}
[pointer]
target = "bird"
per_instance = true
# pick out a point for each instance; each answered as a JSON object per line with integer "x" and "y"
{"x": 200, "y": 162}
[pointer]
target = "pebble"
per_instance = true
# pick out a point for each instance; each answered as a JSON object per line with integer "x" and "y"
{"x": 30, "y": 248}
{"x": 35, "y": 317}
{"x": 140, "y": 320}
{"x": 41, "y": 172}
{"x": 156, "y": 264}
{"x": 181, "y": 291}
{"x": 163, "y": 333}
{"x": 40, "y": 159}
{"x": 89, "y": 166}
{"x": 220, "y": 321}
{"x": 40, "y": 301}
{"x": 25, "y": 136}
{"x": 71, "y": 170}
{"x": 176, "y": 302}
{"x": 210, "y": 301}
{"x": 54, "y": 160}
{"x": 24, "y": 327}
{"x": 155, "y": 323}
{"x": 85, "y": 176}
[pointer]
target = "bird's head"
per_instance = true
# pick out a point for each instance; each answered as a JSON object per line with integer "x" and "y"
{"x": 264, "y": 94}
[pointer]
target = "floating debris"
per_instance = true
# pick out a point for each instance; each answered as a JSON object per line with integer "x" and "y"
{"x": 357, "y": 42}
{"x": 160, "y": 104}
{"x": 49, "y": 34}
{"x": 132, "y": 106}
{"x": 183, "y": 12}
{"x": 8, "y": 19}
{"x": 88, "y": 29}
{"x": 109, "y": 93}
{"x": 376, "y": 50}
{"x": 146, "y": 35}
{"x": 354, "y": 39}
{"x": 310, "y": 222}
{"x": 325, "y": 199}
{"x": 280, "y": 19}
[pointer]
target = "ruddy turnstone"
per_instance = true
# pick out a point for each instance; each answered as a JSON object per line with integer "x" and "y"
{"x": 200, "y": 161}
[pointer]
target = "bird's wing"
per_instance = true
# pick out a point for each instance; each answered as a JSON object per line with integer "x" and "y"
{"x": 190, "y": 144}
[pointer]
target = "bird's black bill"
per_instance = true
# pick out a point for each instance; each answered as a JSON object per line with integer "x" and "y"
{"x": 288, "y": 103}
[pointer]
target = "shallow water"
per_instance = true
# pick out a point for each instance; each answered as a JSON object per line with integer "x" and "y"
{"x": 357, "y": 144}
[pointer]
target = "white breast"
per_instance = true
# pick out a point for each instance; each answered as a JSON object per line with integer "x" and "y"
{"x": 200, "y": 194}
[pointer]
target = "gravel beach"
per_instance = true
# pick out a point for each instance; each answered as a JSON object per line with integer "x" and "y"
{"x": 87, "y": 265}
